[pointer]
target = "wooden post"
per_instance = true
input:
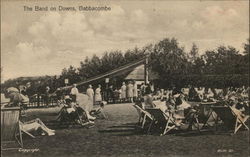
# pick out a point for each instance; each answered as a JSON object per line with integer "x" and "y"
{"x": 146, "y": 70}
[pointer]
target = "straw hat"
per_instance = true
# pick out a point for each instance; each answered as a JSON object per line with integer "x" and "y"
{"x": 12, "y": 89}
{"x": 67, "y": 97}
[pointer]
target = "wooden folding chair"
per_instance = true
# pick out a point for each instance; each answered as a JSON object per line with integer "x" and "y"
{"x": 161, "y": 118}
{"x": 10, "y": 127}
{"x": 24, "y": 131}
{"x": 144, "y": 115}
{"x": 205, "y": 113}
{"x": 232, "y": 118}
{"x": 139, "y": 113}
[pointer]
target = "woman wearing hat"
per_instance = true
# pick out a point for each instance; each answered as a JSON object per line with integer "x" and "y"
{"x": 74, "y": 92}
{"x": 16, "y": 98}
{"x": 123, "y": 91}
{"x": 72, "y": 112}
{"x": 98, "y": 95}
{"x": 130, "y": 89}
{"x": 148, "y": 98}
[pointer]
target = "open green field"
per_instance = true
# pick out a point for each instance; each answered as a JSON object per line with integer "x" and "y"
{"x": 118, "y": 136}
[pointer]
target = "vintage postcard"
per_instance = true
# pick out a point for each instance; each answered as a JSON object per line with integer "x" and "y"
{"x": 131, "y": 78}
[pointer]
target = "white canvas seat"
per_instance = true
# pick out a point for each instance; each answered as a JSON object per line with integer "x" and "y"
{"x": 143, "y": 115}
{"x": 10, "y": 127}
{"x": 206, "y": 114}
{"x": 166, "y": 120}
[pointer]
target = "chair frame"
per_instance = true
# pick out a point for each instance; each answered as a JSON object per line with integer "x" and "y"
{"x": 143, "y": 114}
{"x": 167, "y": 120}
{"x": 209, "y": 105}
{"x": 239, "y": 120}
{"x": 17, "y": 131}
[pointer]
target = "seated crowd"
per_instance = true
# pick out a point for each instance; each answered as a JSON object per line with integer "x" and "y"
{"x": 176, "y": 102}
{"x": 79, "y": 112}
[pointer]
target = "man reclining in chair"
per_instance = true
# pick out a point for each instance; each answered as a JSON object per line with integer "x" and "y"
{"x": 71, "y": 112}
{"x": 169, "y": 108}
{"x": 177, "y": 105}
{"x": 34, "y": 126}
{"x": 239, "y": 106}
{"x": 178, "y": 109}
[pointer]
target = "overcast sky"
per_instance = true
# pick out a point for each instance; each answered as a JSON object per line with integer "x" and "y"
{"x": 43, "y": 43}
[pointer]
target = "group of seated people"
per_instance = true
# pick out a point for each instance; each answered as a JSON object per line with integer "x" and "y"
{"x": 179, "y": 109}
{"x": 239, "y": 105}
{"x": 202, "y": 94}
{"x": 71, "y": 111}
{"x": 175, "y": 107}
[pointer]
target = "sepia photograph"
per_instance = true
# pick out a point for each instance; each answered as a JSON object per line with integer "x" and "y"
{"x": 125, "y": 78}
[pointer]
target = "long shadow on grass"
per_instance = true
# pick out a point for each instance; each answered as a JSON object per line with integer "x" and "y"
{"x": 193, "y": 133}
{"x": 127, "y": 129}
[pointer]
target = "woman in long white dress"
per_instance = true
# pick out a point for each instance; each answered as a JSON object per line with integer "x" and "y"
{"x": 85, "y": 103}
{"x": 135, "y": 92}
{"x": 130, "y": 88}
{"x": 90, "y": 93}
{"x": 123, "y": 91}
{"x": 98, "y": 95}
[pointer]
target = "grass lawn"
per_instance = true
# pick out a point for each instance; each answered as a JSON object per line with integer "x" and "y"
{"x": 117, "y": 136}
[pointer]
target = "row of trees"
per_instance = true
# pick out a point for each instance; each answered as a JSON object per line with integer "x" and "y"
{"x": 95, "y": 65}
{"x": 221, "y": 67}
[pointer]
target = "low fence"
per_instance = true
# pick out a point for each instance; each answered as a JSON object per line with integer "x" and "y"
{"x": 41, "y": 101}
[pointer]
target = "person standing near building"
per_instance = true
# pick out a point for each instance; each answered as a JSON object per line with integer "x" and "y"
{"x": 47, "y": 90}
{"x": 123, "y": 92}
{"x": 142, "y": 89}
{"x": 110, "y": 93}
{"x": 39, "y": 92}
{"x": 135, "y": 92}
{"x": 98, "y": 95}
{"x": 74, "y": 91}
{"x": 130, "y": 88}
{"x": 28, "y": 90}
{"x": 90, "y": 93}
{"x": 152, "y": 88}
{"x": 59, "y": 94}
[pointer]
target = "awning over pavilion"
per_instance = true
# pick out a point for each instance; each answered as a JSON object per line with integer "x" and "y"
{"x": 138, "y": 74}
{"x": 113, "y": 72}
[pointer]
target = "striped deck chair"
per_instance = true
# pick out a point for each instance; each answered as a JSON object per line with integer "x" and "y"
{"x": 143, "y": 115}
{"x": 233, "y": 119}
{"x": 10, "y": 127}
{"x": 162, "y": 119}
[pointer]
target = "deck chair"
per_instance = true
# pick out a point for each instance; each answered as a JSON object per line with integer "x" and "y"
{"x": 143, "y": 115}
{"x": 10, "y": 127}
{"x": 139, "y": 113}
{"x": 161, "y": 118}
{"x": 23, "y": 131}
{"x": 205, "y": 113}
{"x": 232, "y": 119}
